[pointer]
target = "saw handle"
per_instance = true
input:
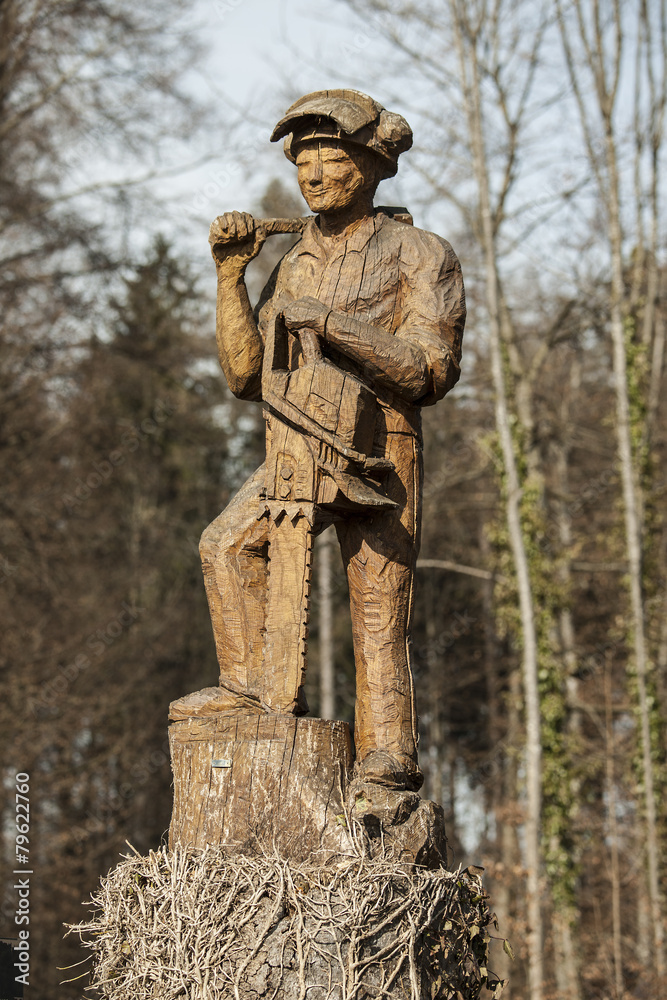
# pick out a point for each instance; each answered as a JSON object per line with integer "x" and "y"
{"x": 310, "y": 344}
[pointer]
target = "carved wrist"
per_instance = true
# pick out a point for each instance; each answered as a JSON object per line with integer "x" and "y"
{"x": 230, "y": 276}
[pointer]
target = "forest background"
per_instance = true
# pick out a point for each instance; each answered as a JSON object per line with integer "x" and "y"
{"x": 540, "y": 639}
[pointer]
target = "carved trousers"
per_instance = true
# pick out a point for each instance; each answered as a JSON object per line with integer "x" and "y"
{"x": 379, "y": 553}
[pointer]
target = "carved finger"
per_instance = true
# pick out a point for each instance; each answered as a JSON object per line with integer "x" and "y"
{"x": 233, "y": 226}
{"x": 247, "y": 224}
{"x": 227, "y": 221}
{"x": 219, "y": 232}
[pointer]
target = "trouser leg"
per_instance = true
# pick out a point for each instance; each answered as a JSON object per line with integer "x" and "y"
{"x": 380, "y": 554}
{"x": 234, "y": 553}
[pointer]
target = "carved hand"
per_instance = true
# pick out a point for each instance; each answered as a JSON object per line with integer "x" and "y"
{"x": 307, "y": 311}
{"x": 235, "y": 239}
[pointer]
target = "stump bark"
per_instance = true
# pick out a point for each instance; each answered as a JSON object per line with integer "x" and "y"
{"x": 217, "y": 925}
{"x": 265, "y": 783}
{"x": 261, "y": 783}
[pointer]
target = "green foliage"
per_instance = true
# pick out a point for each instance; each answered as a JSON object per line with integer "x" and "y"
{"x": 638, "y": 372}
{"x": 549, "y": 598}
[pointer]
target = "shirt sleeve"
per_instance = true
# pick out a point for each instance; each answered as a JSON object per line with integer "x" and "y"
{"x": 433, "y": 309}
{"x": 418, "y": 358}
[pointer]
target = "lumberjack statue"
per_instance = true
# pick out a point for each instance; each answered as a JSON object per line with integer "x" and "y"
{"x": 359, "y": 327}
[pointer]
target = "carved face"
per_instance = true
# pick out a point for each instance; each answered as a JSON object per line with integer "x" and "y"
{"x": 332, "y": 177}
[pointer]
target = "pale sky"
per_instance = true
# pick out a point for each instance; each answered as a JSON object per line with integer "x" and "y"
{"x": 263, "y": 55}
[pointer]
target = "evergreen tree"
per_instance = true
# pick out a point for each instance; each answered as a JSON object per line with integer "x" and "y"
{"x": 113, "y": 622}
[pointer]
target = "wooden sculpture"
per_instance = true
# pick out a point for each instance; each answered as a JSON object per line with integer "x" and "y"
{"x": 293, "y": 869}
{"x": 359, "y": 327}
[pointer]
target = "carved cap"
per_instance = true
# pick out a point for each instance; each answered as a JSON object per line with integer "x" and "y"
{"x": 348, "y": 116}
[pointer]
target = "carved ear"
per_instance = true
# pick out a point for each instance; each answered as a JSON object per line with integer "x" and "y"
{"x": 393, "y": 133}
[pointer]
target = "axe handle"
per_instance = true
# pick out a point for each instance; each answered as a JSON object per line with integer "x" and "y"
{"x": 274, "y": 226}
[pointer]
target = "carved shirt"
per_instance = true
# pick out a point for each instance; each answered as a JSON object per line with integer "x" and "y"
{"x": 391, "y": 276}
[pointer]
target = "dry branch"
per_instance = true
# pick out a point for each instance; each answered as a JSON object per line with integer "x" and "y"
{"x": 215, "y": 925}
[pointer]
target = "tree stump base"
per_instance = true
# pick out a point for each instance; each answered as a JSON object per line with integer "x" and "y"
{"x": 261, "y": 784}
{"x": 215, "y": 925}
{"x": 286, "y": 878}
{"x": 277, "y": 783}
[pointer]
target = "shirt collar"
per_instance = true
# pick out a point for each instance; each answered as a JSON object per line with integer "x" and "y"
{"x": 313, "y": 243}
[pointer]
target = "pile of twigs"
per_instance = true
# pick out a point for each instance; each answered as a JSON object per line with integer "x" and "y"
{"x": 212, "y": 925}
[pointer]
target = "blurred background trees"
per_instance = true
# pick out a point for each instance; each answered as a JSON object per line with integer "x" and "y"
{"x": 540, "y": 639}
{"x": 118, "y": 442}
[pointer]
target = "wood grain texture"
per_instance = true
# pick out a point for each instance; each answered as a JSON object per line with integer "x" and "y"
{"x": 286, "y": 626}
{"x": 283, "y": 789}
{"x": 360, "y": 325}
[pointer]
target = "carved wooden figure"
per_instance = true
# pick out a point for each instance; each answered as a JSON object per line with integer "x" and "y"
{"x": 359, "y": 327}
{"x": 293, "y": 868}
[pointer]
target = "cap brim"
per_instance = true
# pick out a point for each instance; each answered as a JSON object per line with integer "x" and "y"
{"x": 349, "y": 117}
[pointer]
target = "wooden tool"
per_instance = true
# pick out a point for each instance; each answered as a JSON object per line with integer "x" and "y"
{"x": 278, "y": 227}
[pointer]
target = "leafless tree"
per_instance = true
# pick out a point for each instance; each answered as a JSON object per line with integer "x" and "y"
{"x": 596, "y": 39}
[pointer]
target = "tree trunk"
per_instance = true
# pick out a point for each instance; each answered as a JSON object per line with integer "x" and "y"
{"x": 469, "y": 70}
{"x": 566, "y": 916}
{"x": 277, "y": 791}
{"x": 509, "y": 848}
{"x": 610, "y": 781}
